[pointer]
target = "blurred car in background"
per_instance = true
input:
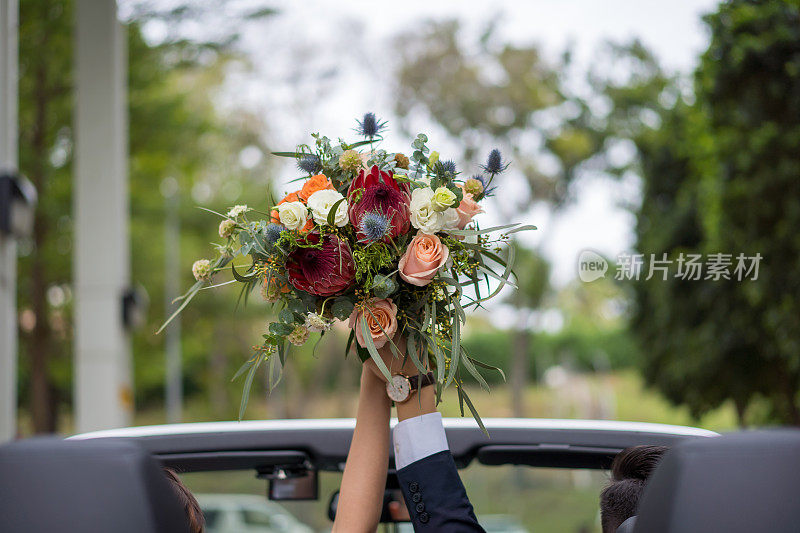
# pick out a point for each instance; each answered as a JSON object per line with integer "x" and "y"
{"x": 247, "y": 513}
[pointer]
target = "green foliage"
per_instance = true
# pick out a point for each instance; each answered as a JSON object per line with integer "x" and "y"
{"x": 721, "y": 174}
{"x": 582, "y": 348}
{"x": 175, "y": 131}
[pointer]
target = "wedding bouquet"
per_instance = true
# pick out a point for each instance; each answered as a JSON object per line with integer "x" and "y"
{"x": 386, "y": 242}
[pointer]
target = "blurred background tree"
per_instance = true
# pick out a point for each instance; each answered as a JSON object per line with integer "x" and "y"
{"x": 177, "y": 131}
{"x": 720, "y": 174}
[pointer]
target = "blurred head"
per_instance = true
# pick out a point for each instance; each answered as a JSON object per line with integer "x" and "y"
{"x": 197, "y": 523}
{"x": 629, "y": 473}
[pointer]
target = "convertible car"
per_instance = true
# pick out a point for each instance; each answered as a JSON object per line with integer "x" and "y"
{"x": 527, "y": 475}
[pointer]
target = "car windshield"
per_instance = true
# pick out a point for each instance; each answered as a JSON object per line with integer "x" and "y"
{"x": 507, "y": 499}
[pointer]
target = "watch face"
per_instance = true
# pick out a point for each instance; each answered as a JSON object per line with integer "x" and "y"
{"x": 398, "y": 389}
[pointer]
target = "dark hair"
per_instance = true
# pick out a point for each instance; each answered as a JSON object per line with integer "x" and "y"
{"x": 629, "y": 472}
{"x": 197, "y": 522}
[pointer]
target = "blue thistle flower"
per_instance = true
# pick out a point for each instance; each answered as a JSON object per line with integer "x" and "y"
{"x": 446, "y": 167}
{"x": 309, "y": 164}
{"x": 494, "y": 163}
{"x": 374, "y": 226}
{"x": 370, "y": 126}
{"x": 272, "y": 233}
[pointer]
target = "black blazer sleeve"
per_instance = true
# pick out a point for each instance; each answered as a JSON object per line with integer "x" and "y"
{"x": 436, "y": 498}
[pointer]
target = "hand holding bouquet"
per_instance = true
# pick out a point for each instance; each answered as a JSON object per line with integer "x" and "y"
{"x": 386, "y": 242}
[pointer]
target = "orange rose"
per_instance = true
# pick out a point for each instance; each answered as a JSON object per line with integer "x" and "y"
{"x": 308, "y": 227}
{"x": 291, "y": 197}
{"x": 314, "y": 184}
{"x": 381, "y": 317}
{"x": 424, "y": 257}
{"x": 467, "y": 209}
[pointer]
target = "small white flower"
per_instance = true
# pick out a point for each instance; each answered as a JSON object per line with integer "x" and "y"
{"x": 451, "y": 219}
{"x": 423, "y": 216}
{"x": 321, "y": 203}
{"x": 293, "y": 215}
{"x": 237, "y": 210}
{"x": 226, "y": 228}
{"x": 202, "y": 270}
{"x": 316, "y": 323}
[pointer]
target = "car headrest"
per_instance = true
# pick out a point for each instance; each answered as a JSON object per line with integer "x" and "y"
{"x": 741, "y": 482}
{"x": 89, "y": 486}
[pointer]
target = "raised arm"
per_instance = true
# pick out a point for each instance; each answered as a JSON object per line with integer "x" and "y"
{"x": 364, "y": 479}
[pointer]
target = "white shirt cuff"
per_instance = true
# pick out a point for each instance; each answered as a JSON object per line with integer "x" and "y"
{"x": 417, "y": 438}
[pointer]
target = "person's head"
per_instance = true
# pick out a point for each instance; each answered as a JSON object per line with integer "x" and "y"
{"x": 197, "y": 523}
{"x": 629, "y": 472}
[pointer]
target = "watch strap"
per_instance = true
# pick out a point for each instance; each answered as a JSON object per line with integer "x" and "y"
{"x": 419, "y": 381}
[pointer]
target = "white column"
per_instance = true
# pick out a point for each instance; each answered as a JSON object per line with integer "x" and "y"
{"x": 8, "y": 248}
{"x": 103, "y": 390}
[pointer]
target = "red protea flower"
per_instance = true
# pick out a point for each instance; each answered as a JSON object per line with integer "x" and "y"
{"x": 322, "y": 271}
{"x": 381, "y": 193}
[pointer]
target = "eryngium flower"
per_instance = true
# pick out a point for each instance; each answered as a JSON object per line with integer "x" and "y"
{"x": 374, "y": 226}
{"x": 379, "y": 193}
{"x": 310, "y": 164}
{"x": 494, "y": 163}
{"x": 321, "y": 271}
{"x": 273, "y": 232}
{"x": 446, "y": 167}
{"x": 370, "y": 126}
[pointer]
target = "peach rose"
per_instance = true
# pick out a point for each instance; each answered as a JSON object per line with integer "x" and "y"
{"x": 383, "y": 315}
{"x": 467, "y": 209}
{"x": 314, "y": 184}
{"x": 424, "y": 257}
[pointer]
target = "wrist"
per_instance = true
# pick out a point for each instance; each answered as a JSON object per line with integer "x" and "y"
{"x": 421, "y": 402}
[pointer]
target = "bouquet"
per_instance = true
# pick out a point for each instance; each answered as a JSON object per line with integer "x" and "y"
{"x": 385, "y": 242}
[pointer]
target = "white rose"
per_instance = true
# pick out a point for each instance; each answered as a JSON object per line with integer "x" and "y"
{"x": 293, "y": 215}
{"x": 423, "y": 215}
{"x": 451, "y": 219}
{"x": 321, "y": 203}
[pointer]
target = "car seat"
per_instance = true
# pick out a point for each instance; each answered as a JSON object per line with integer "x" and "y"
{"x": 92, "y": 486}
{"x": 740, "y": 482}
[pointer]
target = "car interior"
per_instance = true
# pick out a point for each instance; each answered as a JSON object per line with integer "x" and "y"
{"x": 114, "y": 484}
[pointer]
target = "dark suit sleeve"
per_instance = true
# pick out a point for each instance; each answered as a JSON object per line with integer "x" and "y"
{"x": 435, "y": 496}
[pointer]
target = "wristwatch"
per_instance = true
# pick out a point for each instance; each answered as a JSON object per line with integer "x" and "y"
{"x": 401, "y": 386}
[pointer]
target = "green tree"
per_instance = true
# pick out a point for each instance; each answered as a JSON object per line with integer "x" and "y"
{"x": 532, "y": 274}
{"x": 174, "y": 131}
{"x": 720, "y": 175}
{"x": 492, "y": 93}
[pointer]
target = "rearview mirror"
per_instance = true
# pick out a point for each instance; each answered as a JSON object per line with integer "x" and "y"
{"x": 394, "y": 507}
{"x": 297, "y": 485}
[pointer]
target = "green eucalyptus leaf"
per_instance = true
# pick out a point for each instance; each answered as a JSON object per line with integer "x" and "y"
{"x": 342, "y": 308}
{"x": 287, "y": 316}
{"x": 373, "y": 352}
{"x": 332, "y": 213}
{"x": 280, "y": 329}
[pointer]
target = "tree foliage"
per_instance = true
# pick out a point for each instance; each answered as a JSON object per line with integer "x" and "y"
{"x": 175, "y": 131}
{"x": 720, "y": 174}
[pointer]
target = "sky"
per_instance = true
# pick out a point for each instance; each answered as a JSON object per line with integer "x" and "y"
{"x": 318, "y": 65}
